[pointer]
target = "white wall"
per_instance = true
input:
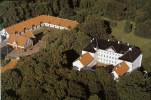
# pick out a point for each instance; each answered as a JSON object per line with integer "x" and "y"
{"x": 3, "y": 33}
{"x": 119, "y": 61}
{"x": 54, "y": 26}
{"x": 93, "y": 63}
{"x": 115, "y": 75}
{"x": 108, "y": 57}
{"x": 130, "y": 69}
{"x": 137, "y": 63}
{"x": 83, "y": 52}
{"x": 77, "y": 64}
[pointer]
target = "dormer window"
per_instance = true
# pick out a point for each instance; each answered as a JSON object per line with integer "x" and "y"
{"x": 41, "y": 23}
{"x": 33, "y": 27}
{"x": 16, "y": 32}
{"x": 25, "y": 29}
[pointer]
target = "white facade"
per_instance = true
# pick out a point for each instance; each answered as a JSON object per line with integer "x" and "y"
{"x": 77, "y": 65}
{"x": 115, "y": 75}
{"x": 108, "y": 57}
{"x": 54, "y": 26}
{"x": 3, "y": 35}
{"x": 137, "y": 62}
{"x": 130, "y": 67}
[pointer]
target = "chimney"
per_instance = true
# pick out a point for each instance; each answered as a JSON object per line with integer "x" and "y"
{"x": 92, "y": 40}
{"x": 130, "y": 49}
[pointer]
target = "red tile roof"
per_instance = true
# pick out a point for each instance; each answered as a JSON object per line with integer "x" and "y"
{"x": 121, "y": 68}
{"x": 29, "y": 35}
{"x": 18, "y": 39}
{"x": 86, "y": 59}
{"x": 19, "y": 27}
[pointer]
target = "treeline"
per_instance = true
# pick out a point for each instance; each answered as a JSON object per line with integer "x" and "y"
{"x": 138, "y": 11}
{"x": 20, "y": 10}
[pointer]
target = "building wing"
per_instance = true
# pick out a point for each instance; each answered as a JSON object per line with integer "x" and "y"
{"x": 17, "y": 40}
{"x": 121, "y": 68}
{"x": 86, "y": 59}
{"x": 28, "y": 24}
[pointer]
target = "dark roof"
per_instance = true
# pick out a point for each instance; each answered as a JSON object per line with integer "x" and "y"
{"x": 90, "y": 47}
{"x": 119, "y": 47}
{"x": 131, "y": 55}
{"x": 104, "y": 44}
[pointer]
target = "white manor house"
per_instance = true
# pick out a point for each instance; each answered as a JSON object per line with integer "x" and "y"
{"x": 124, "y": 57}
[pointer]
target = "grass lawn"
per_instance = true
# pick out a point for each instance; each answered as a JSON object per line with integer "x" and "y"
{"x": 143, "y": 43}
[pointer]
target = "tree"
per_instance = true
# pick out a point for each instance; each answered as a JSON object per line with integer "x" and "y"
{"x": 128, "y": 26}
{"x": 96, "y": 27}
{"x": 10, "y": 82}
{"x": 55, "y": 7}
{"x": 66, "y": 13}
{"x": 145, "y": 31}
{"x": 94, "y": 97}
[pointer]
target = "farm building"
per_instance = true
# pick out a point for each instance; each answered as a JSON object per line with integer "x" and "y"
{"x": 25, "y": 29}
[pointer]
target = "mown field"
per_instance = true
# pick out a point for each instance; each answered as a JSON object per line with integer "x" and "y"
{"x": 143, "y": 43}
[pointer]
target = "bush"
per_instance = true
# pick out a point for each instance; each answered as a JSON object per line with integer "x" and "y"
{"x": 127, "y": 27}
{"x": 96, "y": 27}
{"x": 143, "y": 29}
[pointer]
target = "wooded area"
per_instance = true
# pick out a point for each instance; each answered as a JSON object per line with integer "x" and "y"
{"x": 49, "y": 74}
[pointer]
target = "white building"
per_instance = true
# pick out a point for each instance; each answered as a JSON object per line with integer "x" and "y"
{"x": 124, "y": 57}
{"x": 3, "y": 35}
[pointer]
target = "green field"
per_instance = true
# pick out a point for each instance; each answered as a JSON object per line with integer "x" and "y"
{"x": 143, "y": 43}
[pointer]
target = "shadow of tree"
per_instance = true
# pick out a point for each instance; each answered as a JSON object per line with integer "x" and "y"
{"x": 37, "y": 37}
{"x": 5, "y": 50}
{"x": 71, "y": 55}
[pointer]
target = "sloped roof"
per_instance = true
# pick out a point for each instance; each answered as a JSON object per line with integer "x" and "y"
{"x": 131, "y": 55}
{"x": 29, "y": 34}
{"x": 86, "y": 58}
{"x": 19, "y": 27}
{"x": 121, "y": 68}
{"x": 118, "y": 48}
{"x": 18, "y": 39}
